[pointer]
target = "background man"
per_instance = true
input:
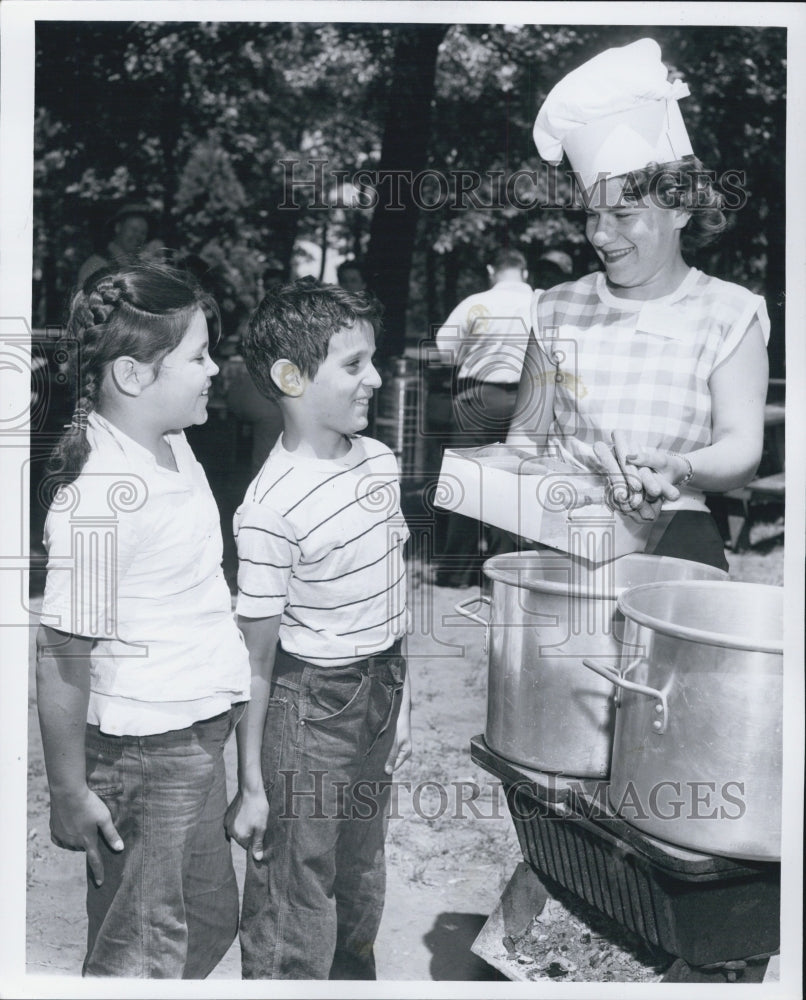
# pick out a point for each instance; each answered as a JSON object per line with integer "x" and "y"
{"x": 485, "y": 339}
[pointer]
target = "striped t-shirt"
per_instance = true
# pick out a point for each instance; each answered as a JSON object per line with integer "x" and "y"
{"x": 320, "y": 542}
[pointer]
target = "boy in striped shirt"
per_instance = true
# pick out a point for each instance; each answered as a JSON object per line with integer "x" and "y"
{"x": 322, "y": 607}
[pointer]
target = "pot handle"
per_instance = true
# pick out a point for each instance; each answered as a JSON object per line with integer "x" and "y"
{"x": 462, "y": 609}
{"x": 661, "y": 706}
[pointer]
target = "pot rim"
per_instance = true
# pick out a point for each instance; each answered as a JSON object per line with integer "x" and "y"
{"x": 760, "y": 644}
{"x": 503, "y": 568}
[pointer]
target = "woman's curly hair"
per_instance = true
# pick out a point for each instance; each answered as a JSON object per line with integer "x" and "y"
{"x": 685, "y": 184}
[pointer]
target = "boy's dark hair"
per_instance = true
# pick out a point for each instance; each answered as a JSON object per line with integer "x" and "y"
{"x": 297, "y": 321}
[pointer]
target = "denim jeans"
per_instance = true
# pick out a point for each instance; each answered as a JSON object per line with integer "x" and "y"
{"x": 168, "y": 906}
{"x": 312, "y": 906}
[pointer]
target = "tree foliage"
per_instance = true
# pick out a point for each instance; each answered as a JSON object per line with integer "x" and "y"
{"x": 203, "y": 119}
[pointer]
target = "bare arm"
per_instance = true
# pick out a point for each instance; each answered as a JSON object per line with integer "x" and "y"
{"x": 248, "y": 813}
{"x": 63, "y": 689}
{"x": 450, "y": 337}
{"x": 738, "y": 392}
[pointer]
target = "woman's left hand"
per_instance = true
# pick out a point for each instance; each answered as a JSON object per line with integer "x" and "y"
{"x": 664, "y": 467}
{"x": 638, "y": 488}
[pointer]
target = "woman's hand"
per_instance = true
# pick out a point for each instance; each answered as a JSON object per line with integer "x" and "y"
{"x": 246, "y": 819}
{"x": 665, "y": 468}
{"x": 75, "y": 819}
{"x": 637, "y": 489}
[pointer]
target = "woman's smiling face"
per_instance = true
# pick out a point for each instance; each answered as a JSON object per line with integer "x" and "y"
{"x": 637, "y": 241}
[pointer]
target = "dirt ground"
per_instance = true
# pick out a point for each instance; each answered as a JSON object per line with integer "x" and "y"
{"x": 448, "y": 862}
{"x": 446, "y": 867}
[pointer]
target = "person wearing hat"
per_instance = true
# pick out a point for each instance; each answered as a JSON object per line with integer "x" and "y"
{"x": 648, "y": 370}
{"x": 129, "y": 234}
{"x": 552, "y": 267}
{"x": 351, "y": 275}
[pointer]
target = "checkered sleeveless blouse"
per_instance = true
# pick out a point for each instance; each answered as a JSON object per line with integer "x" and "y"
{"x": 639, "y": 367}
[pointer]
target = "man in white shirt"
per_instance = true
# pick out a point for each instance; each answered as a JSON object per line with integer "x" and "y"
{"x": 484, "y": 338}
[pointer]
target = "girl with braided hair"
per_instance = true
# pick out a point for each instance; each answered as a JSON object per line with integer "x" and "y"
{"x": 141, "y": 670}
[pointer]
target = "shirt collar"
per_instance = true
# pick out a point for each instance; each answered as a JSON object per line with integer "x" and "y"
{"x": 113, "y": 435}
{"x": 345, "y": 460}
{"x": 635, "y": 305}
{"x": 512, "y": 284}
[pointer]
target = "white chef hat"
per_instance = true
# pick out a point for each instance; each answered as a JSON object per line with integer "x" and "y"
{"x": 615, "y": 113}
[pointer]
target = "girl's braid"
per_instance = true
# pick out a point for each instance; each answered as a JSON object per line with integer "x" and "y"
{"x": 91, "y": 312}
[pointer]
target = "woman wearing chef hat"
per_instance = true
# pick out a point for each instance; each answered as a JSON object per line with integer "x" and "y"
{"x": 649, "y": 368}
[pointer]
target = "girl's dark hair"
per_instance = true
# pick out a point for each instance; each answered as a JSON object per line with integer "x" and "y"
{"x": 296, "y": 321}
{"x": 685, "y": 184}
{"x": 141, "y": 311}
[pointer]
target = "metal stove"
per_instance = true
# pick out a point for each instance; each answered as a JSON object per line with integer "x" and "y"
{"x": 720, "y": 917}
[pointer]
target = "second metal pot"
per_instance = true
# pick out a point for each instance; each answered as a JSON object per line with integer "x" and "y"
{"x": 697, "y": 753}
{"x": 548, "y": 611}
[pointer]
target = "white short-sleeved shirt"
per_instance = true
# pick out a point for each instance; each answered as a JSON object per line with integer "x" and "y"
{"x": 134, "y": 562}
{"x": 320, "y": 542}
{"x": 640, "y": 367}
{"x": 487, "y": 333}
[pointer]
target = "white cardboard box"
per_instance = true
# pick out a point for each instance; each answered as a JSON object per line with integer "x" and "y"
{"x": 564, "y": 510}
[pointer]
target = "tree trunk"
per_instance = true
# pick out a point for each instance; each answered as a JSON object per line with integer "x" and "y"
{"x": 169, "y": 138}
{"x": 323, "y": 247}
{"x": 431, "y": 287}
{"x": 403, "y": 156}
{"x": 451, "y": 281}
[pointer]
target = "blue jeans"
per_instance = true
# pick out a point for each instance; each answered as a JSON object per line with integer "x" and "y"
{"x": 312, "y": 906}
{"x": 168, "y": 906}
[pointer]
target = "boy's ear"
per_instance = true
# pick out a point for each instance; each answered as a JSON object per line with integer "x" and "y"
{"x": 287, "y": 377}
{"x": 131, "y": 376}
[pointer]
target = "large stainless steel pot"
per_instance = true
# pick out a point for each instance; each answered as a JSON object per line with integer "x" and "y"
{"x": 697, "y": 751}
{"x": 548, "y": 610}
